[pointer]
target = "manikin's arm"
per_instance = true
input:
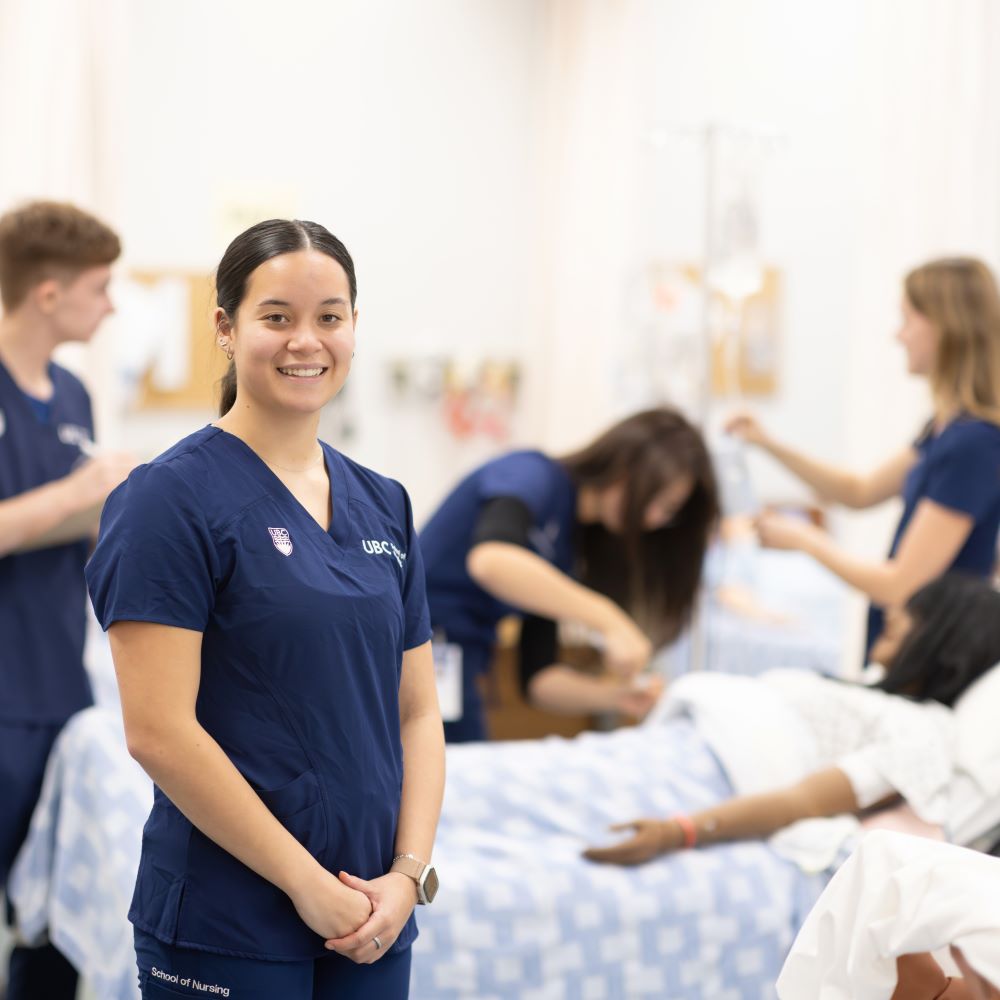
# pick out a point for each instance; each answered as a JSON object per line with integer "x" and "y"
{"x": 823, "y": 793}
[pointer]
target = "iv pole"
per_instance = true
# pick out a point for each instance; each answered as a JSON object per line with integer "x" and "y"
{"x": 710, "y": 137}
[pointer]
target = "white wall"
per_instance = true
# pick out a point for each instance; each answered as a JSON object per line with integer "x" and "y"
{"x": 410, "y": 130}
{"x": 484, "y": 161}
{"x": 888, "y": 118}
{"x": 889, "y": 153}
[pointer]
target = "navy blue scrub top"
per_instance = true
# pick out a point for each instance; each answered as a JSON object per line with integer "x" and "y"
{"x": 958, "y": 468}
{"x": 461, "y": 610}
{"x": 303, "y": 639}
{"x": 43, "y": 610}
{"x": 459, "y": 606}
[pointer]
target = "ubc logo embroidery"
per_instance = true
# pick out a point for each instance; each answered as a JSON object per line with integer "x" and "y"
{"x": 544, "y": 539}
{"x": 75, "y": 436}
{"x": 282, "y": 541}
{"x": 374, "y": 548}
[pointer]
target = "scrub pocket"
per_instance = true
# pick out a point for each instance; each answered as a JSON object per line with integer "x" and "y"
{"x": 227, "y": 906}
{"x": 158, "y": 897}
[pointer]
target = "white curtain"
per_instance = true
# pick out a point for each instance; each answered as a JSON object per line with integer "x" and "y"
{"x": 927, "y": 111}
{"x": 595, "y": 118}
{"x": 912, "y": 111}
{"x": 62, "y": 100}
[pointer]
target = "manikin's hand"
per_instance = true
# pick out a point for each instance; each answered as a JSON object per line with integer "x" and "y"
{"x": 650, "y": 839}
{"x": 636, "y": 698}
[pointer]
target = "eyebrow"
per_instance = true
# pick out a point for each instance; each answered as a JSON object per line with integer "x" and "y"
{"x": 282, "y": 302}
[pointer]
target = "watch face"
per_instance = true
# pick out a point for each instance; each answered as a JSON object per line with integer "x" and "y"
{"x": 430, "y": 884}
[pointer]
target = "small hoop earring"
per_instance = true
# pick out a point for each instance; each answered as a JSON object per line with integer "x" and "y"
{"x": 229, "y": 353}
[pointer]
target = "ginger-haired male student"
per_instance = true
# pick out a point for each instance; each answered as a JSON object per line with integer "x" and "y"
{"x": 55, "y": 264}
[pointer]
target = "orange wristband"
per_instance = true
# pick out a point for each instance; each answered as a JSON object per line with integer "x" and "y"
{"x": 688, "y": 829}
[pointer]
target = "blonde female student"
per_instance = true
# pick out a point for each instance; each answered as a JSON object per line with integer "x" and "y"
{"x": 949, "y": 477}
{"x": 275, "y": 670}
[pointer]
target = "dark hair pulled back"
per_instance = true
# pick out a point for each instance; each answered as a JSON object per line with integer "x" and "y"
{"x": 255, "y": 246}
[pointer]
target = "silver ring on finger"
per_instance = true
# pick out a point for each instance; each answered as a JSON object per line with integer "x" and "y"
{"x": 377, "y": 942}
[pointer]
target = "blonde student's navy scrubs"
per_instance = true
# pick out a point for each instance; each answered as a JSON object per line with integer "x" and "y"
{"x": 957, "y": 467}
{"x": 461, "y": 611}
{"x": 42, "y": 626}
{"x": 303, "y": 639}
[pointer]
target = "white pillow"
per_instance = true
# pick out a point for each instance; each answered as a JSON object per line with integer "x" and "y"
{"x": 976, "y": 803}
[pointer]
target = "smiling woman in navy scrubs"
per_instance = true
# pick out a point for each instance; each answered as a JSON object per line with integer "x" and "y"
{"x": 265, "y": 602}
{"x": 616, "y": 531}
{"x": 949, "y": 478}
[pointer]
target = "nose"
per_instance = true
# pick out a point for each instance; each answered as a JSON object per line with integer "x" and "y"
{"x": 303, "y": 340}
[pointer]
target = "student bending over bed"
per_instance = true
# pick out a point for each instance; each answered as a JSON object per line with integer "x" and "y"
{"x": 947, "y": 635}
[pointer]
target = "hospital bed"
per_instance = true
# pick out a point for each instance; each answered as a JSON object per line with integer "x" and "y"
{"x": 520, "y": 913}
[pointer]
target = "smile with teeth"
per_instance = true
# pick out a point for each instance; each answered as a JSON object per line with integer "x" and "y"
{"x": 302, "y": 372}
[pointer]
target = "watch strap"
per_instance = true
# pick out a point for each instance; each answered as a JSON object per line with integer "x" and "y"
{"x": 409, "y": 865}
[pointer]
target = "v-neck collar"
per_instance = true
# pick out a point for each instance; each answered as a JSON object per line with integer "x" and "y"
{"x": 24, "y": 399}
{"x": 339, "y": 528}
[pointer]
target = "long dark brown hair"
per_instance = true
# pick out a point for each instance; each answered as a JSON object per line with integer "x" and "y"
{"x": 653, "y": 575}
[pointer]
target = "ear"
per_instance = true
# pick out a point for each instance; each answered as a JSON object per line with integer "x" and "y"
{"x": 222, "y": 324}
{"x": 355, "y": 318}
{"x": 46, "y": 295}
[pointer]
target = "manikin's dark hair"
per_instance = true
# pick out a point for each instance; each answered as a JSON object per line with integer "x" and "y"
{"x": 954, "y": 639}
{"x": 654, "y": 575}
{"x": 252, "y": 248}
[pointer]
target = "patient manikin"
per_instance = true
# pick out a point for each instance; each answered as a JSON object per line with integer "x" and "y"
{"x": 945, "y": 638}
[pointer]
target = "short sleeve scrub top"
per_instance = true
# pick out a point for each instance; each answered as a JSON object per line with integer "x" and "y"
{"x": 462, "y": 612}
{"x": 303, "y": 637}
{"x": 957, "y": 467}
{"x": 43, "y": 599}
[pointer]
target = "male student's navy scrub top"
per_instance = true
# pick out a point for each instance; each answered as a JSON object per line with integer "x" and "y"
{"x": 465, "y": 613}
{"x": 303, "y": 638}
{"x": 958, "y": 468}
{"x": 42, "y": 593}
{"x": 42, "y": 600}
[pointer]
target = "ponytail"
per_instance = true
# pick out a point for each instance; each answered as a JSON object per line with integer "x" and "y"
{"x": 227, "y": 390}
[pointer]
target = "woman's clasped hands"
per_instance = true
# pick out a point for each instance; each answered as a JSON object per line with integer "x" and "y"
{"x": 328, "y": 906}
{"x": 391, "y": 899}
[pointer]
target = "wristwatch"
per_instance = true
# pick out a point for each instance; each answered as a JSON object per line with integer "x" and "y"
{"x": 423, "y": 874}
